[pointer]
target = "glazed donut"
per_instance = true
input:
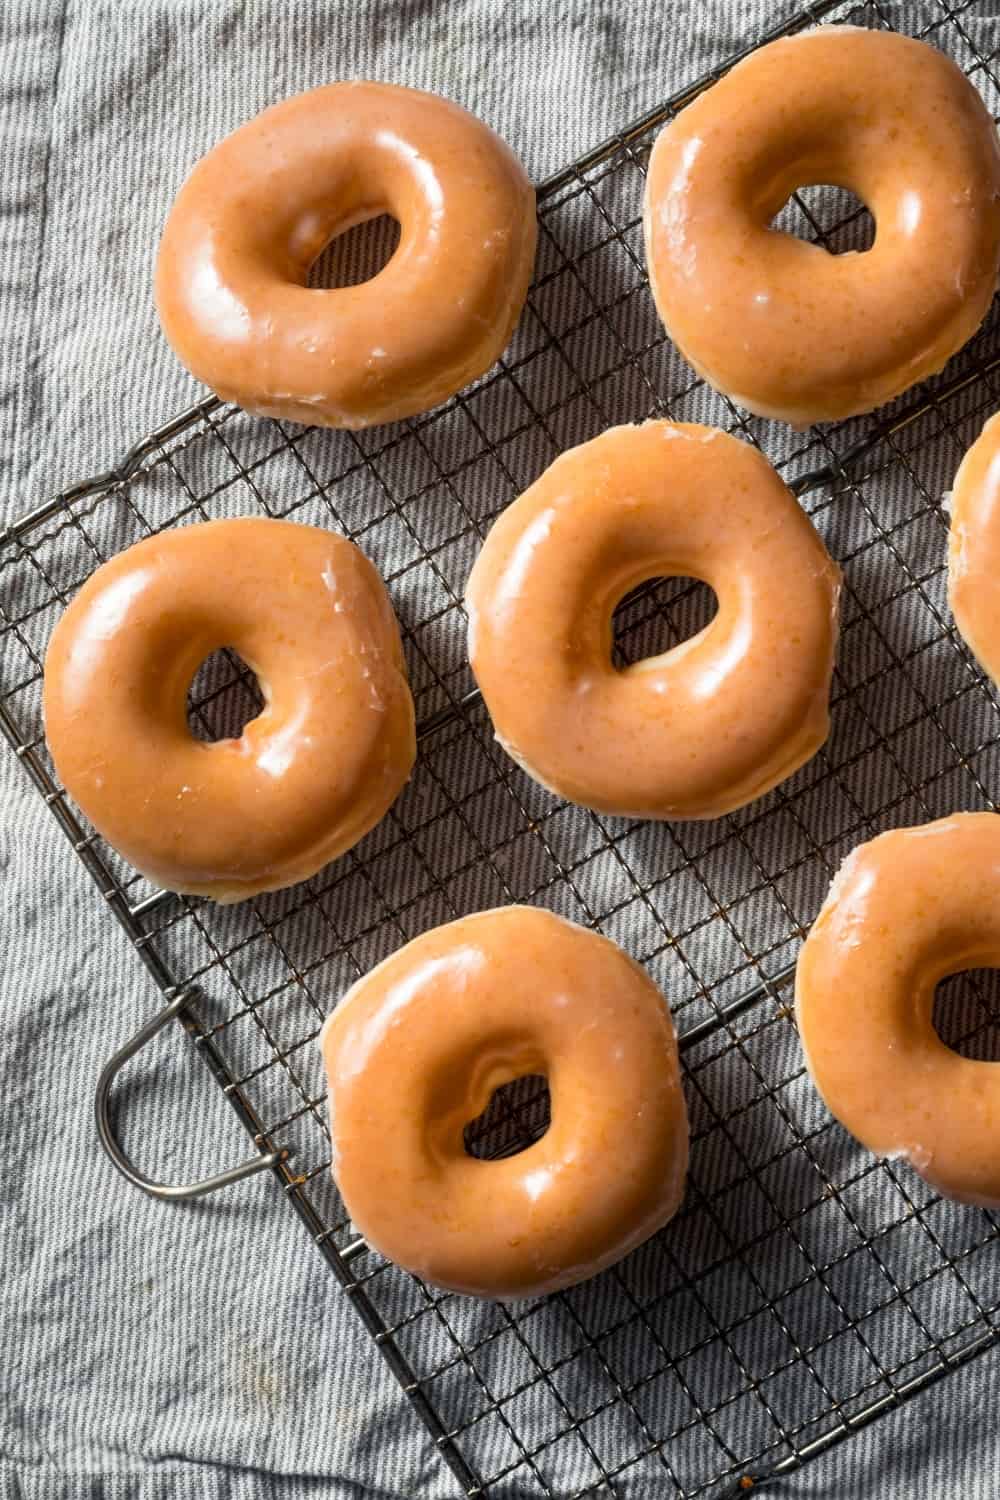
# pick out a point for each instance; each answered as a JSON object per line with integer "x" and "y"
{"x": 974, "y": 549}
{"x": 906, "y": 910}
{"x": 784, "y": 328}
{"x": 414, "y": 1053}
{"x": 705, "y": 727}
{"x": 233, "y": 269}
{"x": 313, "y": 772}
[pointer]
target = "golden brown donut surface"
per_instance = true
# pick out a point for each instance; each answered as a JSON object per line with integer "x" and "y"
{"x": 906, "y": 910}
{"x": 702, "y": 728}
{"x": 307, "y": 777}
{"x": 416, "y": 1049}
{"x": 782, "y": 326}
{"x": 974, "y": 548}
{"x": 257, "y": 211}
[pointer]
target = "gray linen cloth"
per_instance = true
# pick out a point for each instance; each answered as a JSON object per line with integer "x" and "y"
{"x": 205, "y": 1350}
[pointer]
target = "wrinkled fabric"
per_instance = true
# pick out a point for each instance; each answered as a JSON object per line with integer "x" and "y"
{"x": 205, "y": 1350}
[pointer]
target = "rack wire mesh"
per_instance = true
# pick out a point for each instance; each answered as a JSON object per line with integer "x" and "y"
{"x": 804, "y": 1288}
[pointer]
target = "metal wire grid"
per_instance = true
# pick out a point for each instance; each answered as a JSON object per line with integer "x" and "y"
{"x": 803, "y": 1288}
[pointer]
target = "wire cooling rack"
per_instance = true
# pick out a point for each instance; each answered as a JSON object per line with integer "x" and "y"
{"x": 804, "y": 1288}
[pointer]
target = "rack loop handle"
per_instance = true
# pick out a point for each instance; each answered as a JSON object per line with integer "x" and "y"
{"x": 102, "y": 1110}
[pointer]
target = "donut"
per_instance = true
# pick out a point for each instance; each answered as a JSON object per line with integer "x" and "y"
{"x": 233, "y": 267}
{"x": 781, "y": 326}
{"x": 414, "y": 1052}
{"x": 307, "y": 777}
{"x": 974, "y": 549}
{"x": 906, "y": 910}
{"x": 700, "y": 729}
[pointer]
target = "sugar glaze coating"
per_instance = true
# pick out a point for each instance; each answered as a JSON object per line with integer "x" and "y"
{"x": 780, "y": 325}
{"x": 907, "y": 909}
{"x": 699, "y": 729}
{"x": 307, "y": 777}
{"x": 974, "y": 548}
{"x": 416, "y": 1049}
{"x": 257, "y": 211}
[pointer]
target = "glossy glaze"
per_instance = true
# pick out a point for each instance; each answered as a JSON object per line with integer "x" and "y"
{"x": 974, "y": 548}
{"x": 906, "y": 910}
{"x": 313, "y": 772}
{"x": 782, "y": 326}
{"x": 415, "y": 1051}
{"x": 702, "y": 728}
{"x": 257, "y": 211}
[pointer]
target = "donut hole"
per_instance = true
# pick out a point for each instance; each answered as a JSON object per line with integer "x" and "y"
{"x": 356, "y": 255}
{"x": 518, "y": 1115}
{"x": 223, "y": 697}
{"x": 827, "y": 215}
{"x": 966, "y": 1014}
{"x": 658, "y": 615}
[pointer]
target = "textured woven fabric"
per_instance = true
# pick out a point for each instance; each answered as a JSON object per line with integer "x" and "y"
{"x": 205, "y": 1350}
